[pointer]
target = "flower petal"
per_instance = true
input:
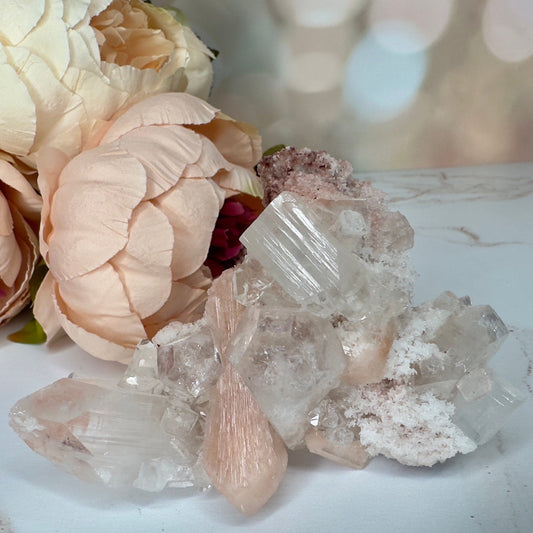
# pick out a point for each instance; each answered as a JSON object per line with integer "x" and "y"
{"x": 98, "y": 191}
{"x": 50, "y": 163}
{"x": 21, "y": 193}
{"x": 10, "y": 254}
{"x": 59, "y": 111}
{"x": 192, "y": 208}
{"x": 18, "y": 119}
{"x": 168, "y": 108}
{"x": 98, "y": 303}
{"x": 144, "y": 265}
{"x": 19, "y": 20}
{"x": 45, "y": 309}
{"x": 164, "y": 152}
{"x": 185, "y": 302}
{"x": 209, "y": 163}
{"x": 91, "y": 343}
{"x": 238, "y": 142}
{"x": 239, "y": 179}
{"x": 18, "y": 295}
{"x": 50, "y": 34}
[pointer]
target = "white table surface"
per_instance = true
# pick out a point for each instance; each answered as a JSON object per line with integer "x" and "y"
{"x": 473, "y": 235}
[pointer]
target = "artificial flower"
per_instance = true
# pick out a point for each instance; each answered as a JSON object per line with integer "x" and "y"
{"x": 126, "y": 226}
{"x": 66, "y": 65}
{"x": 226, "y": 249}
{"x": 20, "y": 206}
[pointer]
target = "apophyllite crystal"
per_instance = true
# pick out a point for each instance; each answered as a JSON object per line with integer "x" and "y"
{"x": 311, "y": 342}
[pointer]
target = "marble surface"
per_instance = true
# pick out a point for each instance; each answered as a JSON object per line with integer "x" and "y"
{"x": 473, "y": 235}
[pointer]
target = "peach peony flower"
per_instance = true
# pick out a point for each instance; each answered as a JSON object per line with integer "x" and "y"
{"x": 126, "y": 226}
{"x": 64, "y": 66}
{"x": 18, "y": 243}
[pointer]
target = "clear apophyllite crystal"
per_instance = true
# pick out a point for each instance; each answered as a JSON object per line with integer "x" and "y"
{"x": 186, "y": 358}
{"x": 295, "y": 247}
{"x": 483, "y": 403}
{"x": 290, "y": 360}
{"x": 119, "y": 437}
{"x": 467, "y": 339}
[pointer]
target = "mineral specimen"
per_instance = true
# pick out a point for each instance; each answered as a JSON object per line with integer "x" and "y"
{"x": 312, "y": 341}
{"x": 243, "y": 455}
{"x": 119, "y": 437}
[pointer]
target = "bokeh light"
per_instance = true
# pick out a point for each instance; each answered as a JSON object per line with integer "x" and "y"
{"x": 381, "y": 83}
{"x": 508, "y": 29}
{"x": 425, "y": 19}
{"x": 316, "y": 13}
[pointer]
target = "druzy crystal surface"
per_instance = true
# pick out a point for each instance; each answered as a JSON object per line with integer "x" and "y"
{"x": 311, "y": 342}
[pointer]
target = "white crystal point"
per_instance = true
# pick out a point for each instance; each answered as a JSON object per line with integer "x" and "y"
{"x": 142, "y": 374}
{"x": 116, "y": 436}
{"x": 483, "y": 403}
{"x": 290, "y": 360}
{"x": 187, "y": 360}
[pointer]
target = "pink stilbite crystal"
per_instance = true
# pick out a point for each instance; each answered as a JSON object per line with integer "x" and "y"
{"x": 242, "y": 454}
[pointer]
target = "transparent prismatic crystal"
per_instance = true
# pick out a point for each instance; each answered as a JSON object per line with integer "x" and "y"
{"x": 481, "y": 413}
{"x": 142, "y": 374}
{"x": 468, "y": 339}
{"x": 299, "y": 252}
{"x": 119, "y": 437}
{"x": 290, "y": 361}
{"x": 186, "y": 358}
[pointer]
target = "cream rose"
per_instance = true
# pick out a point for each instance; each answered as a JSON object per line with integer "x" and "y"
{"x": 18, "y": 243}
{"x": 126, "y": 226}
{"x": 65, "y": 65}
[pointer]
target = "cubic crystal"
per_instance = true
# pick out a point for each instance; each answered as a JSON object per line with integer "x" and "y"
{"x": 481, "y": 417}
{"x": 290, "y": 361}
{"x": 187, "y": 359}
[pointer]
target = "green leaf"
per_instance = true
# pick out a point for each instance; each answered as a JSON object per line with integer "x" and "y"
{"x": 274, "y": 149}
{"x": 178, "y": 14}
{"x": 31, "y": 333}
{"x": 37, "y": 278}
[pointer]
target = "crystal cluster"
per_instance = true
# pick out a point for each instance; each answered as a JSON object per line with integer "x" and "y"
{"x": 310, "y": 342}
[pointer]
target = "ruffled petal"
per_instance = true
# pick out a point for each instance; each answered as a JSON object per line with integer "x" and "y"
{"x": 91, "y": 210}
{"x": 192, "y": 208}
{"x": 18, "y": 116}
{"x": 144, "y": 265}
{"x": 164, "y": 153}
{"x": 238, "y": 142}
{"x": 185, "y": 303}
{"x": 168, "y": 108}
{"x": 91, "y": 343}
{"x": 209, "y": 162}
{"x": 45, "y": 308}
{"x": 98, "y": 303}
{"x": 50, "y": 35}
{"x": 59, "y": 111}
{"x": 50, "y": 163}
{"x": 20, "y": 19}
{"x": 10, "y": 255}
{"x": 17, "y": 296}
{"x": 20, "y": 193}
{"x": 237, "y": 180}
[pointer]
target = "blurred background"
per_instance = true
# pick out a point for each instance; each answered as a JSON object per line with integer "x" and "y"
{"x": 386, "y": 84}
